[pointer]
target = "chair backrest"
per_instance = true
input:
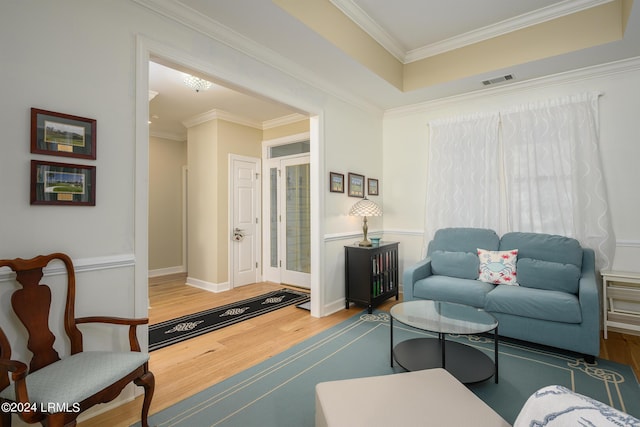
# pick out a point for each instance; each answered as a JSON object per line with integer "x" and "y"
{"x": 32, "y": 305}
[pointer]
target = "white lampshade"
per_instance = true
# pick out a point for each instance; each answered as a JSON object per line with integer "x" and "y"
{"x": 365, "y": 208}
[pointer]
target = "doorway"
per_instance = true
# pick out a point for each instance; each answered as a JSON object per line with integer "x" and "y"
{"x": 152, "y": 50}
{"x": 287, "y": 211}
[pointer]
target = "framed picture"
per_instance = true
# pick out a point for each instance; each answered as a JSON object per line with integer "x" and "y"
{"x": 356, "y": 185}
{"x": 62, "y": 184}
{"x": 372, "y": 187}
{"x": 336, "y": 182}
{"x": 60, "y": 134}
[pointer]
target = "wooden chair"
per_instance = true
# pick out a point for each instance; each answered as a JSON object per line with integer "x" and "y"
{"x": 54, "y": 390}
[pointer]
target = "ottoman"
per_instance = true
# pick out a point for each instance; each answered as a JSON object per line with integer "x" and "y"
{"x": 432, "y": 397}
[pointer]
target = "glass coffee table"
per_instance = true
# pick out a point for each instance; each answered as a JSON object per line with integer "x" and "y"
{"x": 466, "y": 363}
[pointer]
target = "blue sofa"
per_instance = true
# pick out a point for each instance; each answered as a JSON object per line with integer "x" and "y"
{"x": 556, "y": 302}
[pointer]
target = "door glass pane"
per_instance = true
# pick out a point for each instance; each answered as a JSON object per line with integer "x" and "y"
{"x": 289, "y": 149}
{"x": 273, "y": 215}
{"x": 298, "y": 227}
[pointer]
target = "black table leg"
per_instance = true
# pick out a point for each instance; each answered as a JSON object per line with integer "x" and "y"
{"x": 442, "y": 340}
{"x": 495, "y": 352}
{"x": 391, "y": 339}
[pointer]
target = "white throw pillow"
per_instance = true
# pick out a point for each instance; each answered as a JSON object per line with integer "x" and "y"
{"x": 557, "y": 406}
{"x": 498, "y": 267}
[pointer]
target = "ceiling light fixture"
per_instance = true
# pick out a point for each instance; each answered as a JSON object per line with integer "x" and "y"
{"x": 196, "y": 83}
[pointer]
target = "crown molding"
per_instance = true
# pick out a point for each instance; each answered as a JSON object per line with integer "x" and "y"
{"x": 501, "y": 28}
{"x": 393, "y": 46}
{"x": 371, "y": 27}
{"x": 596, "y": 71}
{"x": 220, "y": 115}
{"x": 180, "y": 137}
{"x": 233, "y": 118}
{"x": 284, "y": 120}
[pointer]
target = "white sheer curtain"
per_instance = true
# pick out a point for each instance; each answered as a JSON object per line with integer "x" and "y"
{"x": 463, "y": 185}
{"x": 554, "y": 180}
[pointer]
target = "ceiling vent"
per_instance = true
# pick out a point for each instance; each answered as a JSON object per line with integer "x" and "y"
{"x": 498, "y": 80}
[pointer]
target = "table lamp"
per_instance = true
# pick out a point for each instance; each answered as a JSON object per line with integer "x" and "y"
{"x": 365, "y": 208}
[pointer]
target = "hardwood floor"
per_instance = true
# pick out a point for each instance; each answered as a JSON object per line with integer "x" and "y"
{"x": 184, "y": 369}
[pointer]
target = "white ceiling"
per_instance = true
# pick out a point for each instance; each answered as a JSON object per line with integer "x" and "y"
{"x": 174, "y": 104}
{"x": 409, "y": 29}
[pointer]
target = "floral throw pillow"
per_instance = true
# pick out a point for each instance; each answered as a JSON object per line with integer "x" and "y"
{"x": 498, "y": 267}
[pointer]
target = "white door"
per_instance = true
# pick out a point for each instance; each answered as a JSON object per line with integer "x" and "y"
{"x": 288, "y": 237}
{"x": 295, "y": 224}
{"x": 244, "y": 220}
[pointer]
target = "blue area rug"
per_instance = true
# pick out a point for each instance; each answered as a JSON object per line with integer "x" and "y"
{"x": 280, "y": 391}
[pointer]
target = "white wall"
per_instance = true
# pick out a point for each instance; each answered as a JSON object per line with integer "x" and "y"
{"x": 95, "y": 68}
{"x": 406, "y": 145}
{"x": 89, "y": 59}
{"x": 352, "y": 144}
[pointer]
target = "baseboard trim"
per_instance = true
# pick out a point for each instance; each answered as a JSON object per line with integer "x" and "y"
{"x": 333, "y": 307}
{"x": 208, "y": 286}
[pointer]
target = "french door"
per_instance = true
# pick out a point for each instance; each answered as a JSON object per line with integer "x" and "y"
{"x": 288, "y": 238}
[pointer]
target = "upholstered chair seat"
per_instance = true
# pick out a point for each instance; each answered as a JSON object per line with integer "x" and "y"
{"x": 77, "y": 377}
{"x": 51, "y": 388}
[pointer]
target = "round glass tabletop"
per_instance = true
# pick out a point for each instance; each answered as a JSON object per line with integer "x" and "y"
{"x": 443, "y": 317}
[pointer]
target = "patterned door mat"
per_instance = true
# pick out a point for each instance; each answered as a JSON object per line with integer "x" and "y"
{"x": 176, "y": 330}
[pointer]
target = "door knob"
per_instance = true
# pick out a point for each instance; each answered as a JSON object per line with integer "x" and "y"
{"x": 238, "y": 234}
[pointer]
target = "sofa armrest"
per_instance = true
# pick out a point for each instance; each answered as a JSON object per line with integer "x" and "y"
{"x": 590, "y": 300}
{"x": 412, "y": 274}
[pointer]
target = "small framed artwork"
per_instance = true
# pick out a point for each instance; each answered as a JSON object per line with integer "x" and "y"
{"x": 336, "y": 182}
{"x": 356, "y": 185}
{"x": 60, "y": 134}
{"x": 62, "y": 184}
{"x": 372, "y": 187}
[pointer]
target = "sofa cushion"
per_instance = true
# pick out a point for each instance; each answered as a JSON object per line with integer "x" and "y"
{"x": 498, "y": 267}
{"x": 452, "y": 289}
{"x": 534, "y": 303}
{"x": 545, "y": 247}
{"x": 557, "y": 251}
{"x": 463, "y": 240}
{"x": 463, "y": 265}
{"x": 553, "y": 276}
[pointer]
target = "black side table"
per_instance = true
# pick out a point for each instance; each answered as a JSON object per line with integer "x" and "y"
{"x": 371, "y": 274}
